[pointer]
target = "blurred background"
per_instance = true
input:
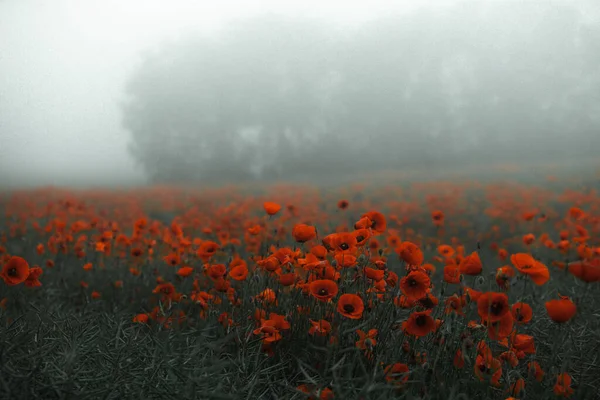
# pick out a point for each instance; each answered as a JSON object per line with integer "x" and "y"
{"x": 142, "y": 91}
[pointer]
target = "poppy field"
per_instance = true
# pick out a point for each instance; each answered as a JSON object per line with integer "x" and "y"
{"x": 446, "y": 289}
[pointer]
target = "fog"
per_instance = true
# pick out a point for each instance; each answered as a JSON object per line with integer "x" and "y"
{"x": 136, "y": 92}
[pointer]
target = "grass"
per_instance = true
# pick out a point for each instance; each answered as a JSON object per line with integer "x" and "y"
{"x": 59, "y": 342}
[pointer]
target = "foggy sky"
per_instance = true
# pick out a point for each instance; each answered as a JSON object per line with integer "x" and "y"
{"x": 64, "y": 63}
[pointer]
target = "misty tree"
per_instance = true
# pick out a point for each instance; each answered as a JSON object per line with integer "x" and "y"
{"x": 277, "y": 97}
{"x": 244, "y": 104}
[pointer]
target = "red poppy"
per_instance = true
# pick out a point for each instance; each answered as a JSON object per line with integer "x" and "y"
{"x": 492, "y": 306}
{"x": 419, "y": 323}
{"x": 323, "y": 289}
{"x": 366, "y": 340}
{"x": 320, "y": 328}
{"x": 522, "y": 313}
{"x": 586, "y": 270}
{"x": 451, "y": 274}
{"x": 378, "y": 223}
{"x": 350, "y": 306}
{"x": 15, "y": 271}
{"x": 271, "y": 208}
{"x": 414, "y": 286}
{"x": 488, "y": 368}
{"x": 410, "y": 253}
{"x": 471, "y": 264}
{"x": 303, "y": 233}
{"x": 561, "y": 310}
{"x": 437, "y": 217}
{"x": 562, "y": 387}
{"x": 239, "y": 272}
{"x": 343, "y": 204}
{"x": 527, "y": 265}
{"x": 32, "y": 279}
{"x": 185, "y": 271}
{"x": 396, "y": 373}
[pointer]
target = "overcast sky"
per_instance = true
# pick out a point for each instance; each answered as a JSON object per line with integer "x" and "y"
{"x": 63, "y": 65}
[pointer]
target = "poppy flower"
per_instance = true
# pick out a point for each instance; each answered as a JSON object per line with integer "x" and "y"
{"x": 527, "y": 265}
{"x": 528, "y": 239}
{"x": 32, "y": 279}
{"x": 576, "y": 213}
{"x": 523, "y": 342}
{"x": 522, "y": 313}
{"x": 454, "y": 304}
{"x": 419, "y": 323}
{"x": 271, "y": 208}
{"x": 517, "y": 387}
{"x": 287, "y": 279}
{"x": 136, "y": 252}
{"x": 366, "y": 340}
{"x": 471, "y": 264}
{"x": 535, "y": 370}
{"x": 185, "y": 271}
{"x": 500, "y": 329}
{"x": 239, "y": 272}
{"x": 378, "y": 222}
{"x": 343, "y": 204}
{"x": 445, "y": 250}
{"x": 207, "y": 249}
{"x": 343, "y": 242}
{"x": 350, "y": 306}
{"x": 268, "y": 332}
{"x": 375, "y": 274}
{"x": 410, "y": 253}
{"x": 472, "y": 294}
{"x": 279, "y": 321}
{"x": 437, "y": 217}
{"x": 141, "y": 318}
{"x": 396, "y": 374}
{"x": 303, "y": 233}
{"x": 586, "y": 270}
{"x": 415, "y": 285}
{"x": 459, "y": 359}
{"x": 488, "y": 368}
{"x": 166, "y": 289}
{"x": 362, "y": 236}
{"x": 345, "y": 260}
{"x": 216, "y": 271}
{"x": 15, "y": 271}
{"x": 503, "y": 276}
{"x": 392, "y": 278}
{"x": 319, "y": 328}
{"x": 320, "y": 252}
{"x": 267, "y": 295}
{"x": 509, "y": 357}
{"x": 451, "y": 274}
{"x": 562, "y": 387}
{"x": 323, "y": 289}
{"x": 561, "y": 310}
{"x": 492, "y": 306}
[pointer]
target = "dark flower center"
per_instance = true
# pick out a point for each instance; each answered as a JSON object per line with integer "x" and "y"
{"x": 421, "y": 320}
{"x": 496, "y": 308}
{"x": 412, "y": 282}
{"x": 349, "y": 308}
{"x": 360, "y": 238}
{"x": 12, "y": 272}
{"x": 322, "y": 292}
{"x": 344, "y": 246}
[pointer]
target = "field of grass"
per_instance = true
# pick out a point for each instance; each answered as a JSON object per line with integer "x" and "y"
{"x": 445, "y": 289}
